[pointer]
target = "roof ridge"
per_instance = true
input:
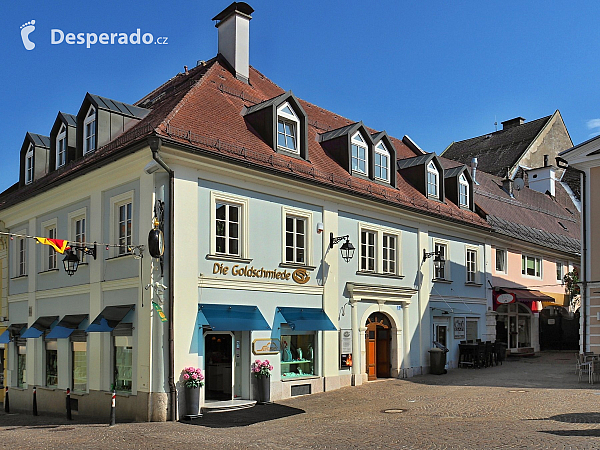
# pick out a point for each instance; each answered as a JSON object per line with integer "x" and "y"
{"x": 498, "y": 131}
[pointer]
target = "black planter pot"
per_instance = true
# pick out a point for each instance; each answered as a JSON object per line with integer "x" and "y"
{"x": 191, "y": 401}
{"x": 263, "y": 385}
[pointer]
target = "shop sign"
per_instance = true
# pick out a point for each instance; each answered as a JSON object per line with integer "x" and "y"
{"x": 346, "y": 336}
{"x": 265, "y": 346}
{"x": 346, "y": 360}
{"x": 459, "y": 328}
{"x": 506, "y": 298}
{"x": 299, "y": 276}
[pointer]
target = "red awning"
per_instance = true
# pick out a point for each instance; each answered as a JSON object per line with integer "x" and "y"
{"x": 526, "y": 295}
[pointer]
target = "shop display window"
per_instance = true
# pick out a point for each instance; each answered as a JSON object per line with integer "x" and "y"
{"x": 21, "y": 365}
{"x": 123, "y": 363}
{"x": 79, "y": 366}
{"x": 51, "y": 364}
{"x": 297, "y": 356}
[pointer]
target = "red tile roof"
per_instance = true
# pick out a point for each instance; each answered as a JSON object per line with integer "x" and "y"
{"x": 203, "y": 110}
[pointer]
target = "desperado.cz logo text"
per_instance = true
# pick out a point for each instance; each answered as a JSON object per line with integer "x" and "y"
{"x": 58, "y": 36}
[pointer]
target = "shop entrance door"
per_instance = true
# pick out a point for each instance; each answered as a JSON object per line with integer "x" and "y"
{"x": 378, "y": 337}
{"x": 218, "y": 366}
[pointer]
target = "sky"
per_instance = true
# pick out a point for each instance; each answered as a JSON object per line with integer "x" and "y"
{"x": 437, "y": 71}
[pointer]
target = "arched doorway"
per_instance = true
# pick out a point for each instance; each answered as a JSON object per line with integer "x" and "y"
{"x": 513, "y": 325}
{"x": 378, "y": 338}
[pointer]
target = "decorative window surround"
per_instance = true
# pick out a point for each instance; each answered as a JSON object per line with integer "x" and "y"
{"x": 472, "y": 265}
{"x": 463, "y": 191}
{"x": 89, "y": 131}
{"x": 305, "y": 216}
{"x": 382, "y": 162}
{"x": 61, "y": 146}
{"x": 48, "y": 257}
{"x": 288, "y": 125}
{"x": 29, "y": 165}
{"x": 501, "y": 261}
{"x": 444, "y": 248}
{"x": 243, "y": 242}
{"x": 382, "y": 255}
{"x": 433, "y": 181}
{"x": 77, "y": 221}
{"x": 359, "y": 154}
{"x": 117, "y": 235}
{"x": 531, "y": 266}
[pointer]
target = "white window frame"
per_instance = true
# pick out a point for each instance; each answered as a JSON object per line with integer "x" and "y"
{"x": 562, "y": 266}
{"x": 115, "y": 203}
{"x": 383, "y": 153}
{"x": 20, "y": 264}
{"x": 73, "y": 218}
{"x": 244, "y": 204}
{"x": 29, "y": 163}
{"x": 359, "y": 145}
{"x": 49, "y": 255}
{"x": 471, "y": 267}
{"x": 307, "y": 216}
{"x": 290, "y": 119}
{"x": 433, "y": 171}
{"x": 380, "y": 232}
{"x": 436, "y": 243}
{"x": 386, "y": 250}
{"x": 505, "y": 269}
{"x": 365, "y": 255}
{"x": 90, "y": 136}
{"x": 61, "y": 152}
{"x": 524, "y": 269}
{"x": 463, "y": 183}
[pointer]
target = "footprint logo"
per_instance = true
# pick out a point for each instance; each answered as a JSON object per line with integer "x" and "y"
{"x": 26, "y": 30}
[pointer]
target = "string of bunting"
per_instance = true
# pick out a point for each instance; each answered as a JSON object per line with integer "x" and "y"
{"x": 61, "y": 245}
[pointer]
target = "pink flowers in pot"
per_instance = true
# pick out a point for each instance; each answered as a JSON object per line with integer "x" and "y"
{"x": 192, "y": 377}
{"x": 261, "y": 368}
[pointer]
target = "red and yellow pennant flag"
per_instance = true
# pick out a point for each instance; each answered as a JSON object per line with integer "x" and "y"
{"x": 59, "y": 245}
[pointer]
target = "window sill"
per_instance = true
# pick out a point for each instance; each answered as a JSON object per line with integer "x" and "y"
{"x": 48, "y": 271}
{"x": 296, "y": 266}
{"x": 303, "y": 378}
{"x": 380, "y": 275}
{"x": 229, "y": 258}
{"x": 19, "y": 277}
{"x": 123, "y": 256}
{"x": 441, "y": 280}
{"x": 48, "y": 388}
{"x": 473, "y": 284}
{"x": 119, "y": 393}
{"x": 80, "y": 393}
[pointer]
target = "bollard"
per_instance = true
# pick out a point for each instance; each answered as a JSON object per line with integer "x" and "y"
{"x": 69, "y": 417}
{"x": 34, "y": 402}
{"x": 112, "y": 408}
{"x": 6, "y": 405}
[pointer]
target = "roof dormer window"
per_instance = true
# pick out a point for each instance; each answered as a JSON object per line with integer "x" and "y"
{"x": 432, "y": 180}
{"x": 463, "y": 191}
{"x": 61, "y": 146}
{"x": 359, "y": 154}
{"x": 89, "y": 131}
{"x": 29, "y": 165}
{"x": 287, "y": 129}
{"x": 382, "y": 162}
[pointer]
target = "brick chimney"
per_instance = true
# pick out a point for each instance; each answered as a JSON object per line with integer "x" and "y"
{"x": 234, "y": 37}
{"x": 512, "y": 123}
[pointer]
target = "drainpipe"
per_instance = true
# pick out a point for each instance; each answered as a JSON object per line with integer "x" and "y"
{"x": 155, "y": 144}
{"x": 584, "y": 282}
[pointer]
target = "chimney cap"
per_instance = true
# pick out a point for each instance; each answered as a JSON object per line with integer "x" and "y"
{"x": 241, "y": 7}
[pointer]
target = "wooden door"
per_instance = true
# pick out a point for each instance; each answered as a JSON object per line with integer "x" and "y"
{"x": 383, "y": 352}
{"x": 371, "y": 353}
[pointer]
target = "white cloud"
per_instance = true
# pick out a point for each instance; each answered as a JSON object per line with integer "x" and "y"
{"x": 594, "y": 123}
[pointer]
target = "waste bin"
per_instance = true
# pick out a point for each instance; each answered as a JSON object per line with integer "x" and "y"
{"x": 437, "y": 360}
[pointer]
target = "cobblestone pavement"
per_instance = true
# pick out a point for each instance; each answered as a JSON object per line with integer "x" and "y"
{"x": 529, "y": 403}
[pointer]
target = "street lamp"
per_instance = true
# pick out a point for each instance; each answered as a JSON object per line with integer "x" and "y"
{"x": 439, "y": 262}
{"x": 347, "y": 249}
{"x": 71, "y": 260}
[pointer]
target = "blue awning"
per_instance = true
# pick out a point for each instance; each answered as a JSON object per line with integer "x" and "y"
{"x": 39, "y": 327}
{"x": 109, "y": 318}
{"x": 66, "y": 326}
{"x": 306, "y": 319}
{"x": 5, "y": 337}
{"x": 232, "y": 317}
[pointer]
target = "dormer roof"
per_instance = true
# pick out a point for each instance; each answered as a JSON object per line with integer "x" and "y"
{"x": 118, "y": 107}
{"x": 39, "y": 140}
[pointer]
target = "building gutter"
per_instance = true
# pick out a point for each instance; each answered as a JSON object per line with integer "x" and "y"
{"x": 155, "y": 144}
{"x": 584, "y": 282}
